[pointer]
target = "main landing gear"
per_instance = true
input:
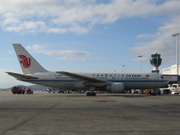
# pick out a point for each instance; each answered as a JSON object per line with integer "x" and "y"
{"x": 90, "y": 94}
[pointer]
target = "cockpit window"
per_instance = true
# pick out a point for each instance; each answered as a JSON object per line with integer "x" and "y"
{"x": 162, "y": 77}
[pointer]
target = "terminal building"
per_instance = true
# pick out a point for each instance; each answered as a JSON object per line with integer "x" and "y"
{"x": 171, "y": 70}
{"x": 170, "y": 73}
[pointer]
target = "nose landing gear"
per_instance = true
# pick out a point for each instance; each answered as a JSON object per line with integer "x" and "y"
{"x": 91, "y": 91}
{"x": 90, "y": 94}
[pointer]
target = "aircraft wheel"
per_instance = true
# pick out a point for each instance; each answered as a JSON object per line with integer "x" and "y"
{"x": 88, "y": 94}
{"x": 93, "y": 94}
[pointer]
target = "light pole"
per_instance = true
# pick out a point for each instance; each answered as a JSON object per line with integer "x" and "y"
{"x": 140, "y": 56}
{"x": 177, "y": 60}
{"x": 123, "y": 67}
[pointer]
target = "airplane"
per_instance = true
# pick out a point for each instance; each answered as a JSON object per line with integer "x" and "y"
{"x": 114, "y": 82}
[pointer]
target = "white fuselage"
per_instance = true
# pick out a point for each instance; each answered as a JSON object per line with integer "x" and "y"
{"x": 115, "y": 82}
{"x": 129, "y": 80}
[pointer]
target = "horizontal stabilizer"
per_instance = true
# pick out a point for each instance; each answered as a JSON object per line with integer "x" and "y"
{"x": 21, "y": 76}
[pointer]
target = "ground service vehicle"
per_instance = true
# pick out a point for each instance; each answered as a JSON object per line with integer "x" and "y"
{"x": 153, "y": 92}
{"x": 18, "y": 90}
{"x": 29, "y": 91}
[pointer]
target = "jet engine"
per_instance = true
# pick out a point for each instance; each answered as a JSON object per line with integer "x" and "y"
{"x": 115, "y": 87}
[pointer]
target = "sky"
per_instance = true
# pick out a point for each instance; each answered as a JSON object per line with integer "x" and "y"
{"x": 88, "y": 35}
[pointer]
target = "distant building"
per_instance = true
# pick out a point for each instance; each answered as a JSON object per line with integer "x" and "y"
{"x": 170, "y": 73}
{"x": 171, "y": 70}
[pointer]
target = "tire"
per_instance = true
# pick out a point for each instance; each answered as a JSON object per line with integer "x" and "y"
{"x": 93, "y": 94}
{"x": 88, "y": 94}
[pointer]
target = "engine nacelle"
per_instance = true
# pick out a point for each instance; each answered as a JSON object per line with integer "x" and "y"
{"x": 115, "y": 87}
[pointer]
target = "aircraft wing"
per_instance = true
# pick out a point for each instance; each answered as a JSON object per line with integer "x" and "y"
{"x": 86, "y": 80}
{"x": 21, "y": 76}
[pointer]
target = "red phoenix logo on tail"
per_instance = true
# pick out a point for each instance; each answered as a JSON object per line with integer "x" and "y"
{"x": 25, "y": 61}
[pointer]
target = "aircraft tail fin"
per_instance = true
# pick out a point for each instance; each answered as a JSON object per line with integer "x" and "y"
{"x": 28, "y": 64}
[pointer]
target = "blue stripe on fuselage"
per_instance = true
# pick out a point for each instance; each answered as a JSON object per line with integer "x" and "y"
{"x": 106, "y": 80}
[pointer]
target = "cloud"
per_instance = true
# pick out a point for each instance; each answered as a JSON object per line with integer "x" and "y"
{"x": 57, "y": 30}
{"x": 161, "y": 42}
{"x": 29, "y": 27}
{"x": 71, "y": 59}
{"x": 66, "y": 52}
{"x": 79, "y": 30}
{"x": 72, "y": 55}
{"x": 11, "y": 52}
{"x": 79, "y": 17}
{"x": 36, "y": 48}
{"x": 76, "y": 16}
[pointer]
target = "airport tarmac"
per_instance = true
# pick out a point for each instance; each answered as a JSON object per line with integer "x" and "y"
{"x": 75, "y": 114}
